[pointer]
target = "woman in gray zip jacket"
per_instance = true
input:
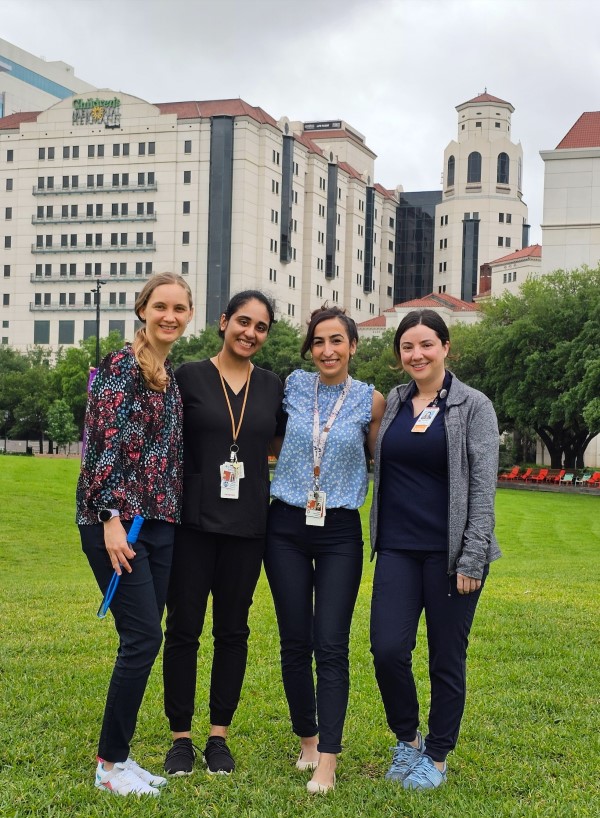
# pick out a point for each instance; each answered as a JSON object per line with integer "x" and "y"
{"x": 432, "y": 527}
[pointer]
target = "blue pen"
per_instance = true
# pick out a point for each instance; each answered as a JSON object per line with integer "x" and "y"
{"x": 112, "y": 585}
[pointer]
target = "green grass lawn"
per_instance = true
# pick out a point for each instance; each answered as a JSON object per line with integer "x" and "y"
{"x": 529, "y": 744}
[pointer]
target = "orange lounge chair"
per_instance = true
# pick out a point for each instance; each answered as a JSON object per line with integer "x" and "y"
{"x": 556, "y": 477}
{"x": 540, "y": 476}
{"x": 525, "y": 474}
{"x": 512, "y": 474}
{"x": 594, "y": 480}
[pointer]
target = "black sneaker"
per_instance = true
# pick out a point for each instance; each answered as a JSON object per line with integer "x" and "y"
{"x": 180, "y": 758}
{"x": 218, "y": 757}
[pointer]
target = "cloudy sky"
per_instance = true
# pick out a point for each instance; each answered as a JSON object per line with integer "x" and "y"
{"x": 394, "y": 69}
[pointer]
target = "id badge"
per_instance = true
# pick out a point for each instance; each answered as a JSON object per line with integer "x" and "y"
{"x": 230, "y": 485}
{"x": 315, "y": 508}
{"x": 425, "y": 419}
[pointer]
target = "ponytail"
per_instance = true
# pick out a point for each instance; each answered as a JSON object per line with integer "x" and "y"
{"x": 151, "y": 366}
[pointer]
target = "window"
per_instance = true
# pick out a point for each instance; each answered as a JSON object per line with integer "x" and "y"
{"x": 500, "y": 217}
{"x": 450, "y": 173}
{"x": 142, "y": 149}
{"x": 321, "y": 210}
{"x": 276, "y": 157}
{"x": 186, "y": 207}
{"x": 149, "y": 238}
{"x": 122, "y": 298}
{"x": 100, "y": 180}
{"x": 41, "y": 332}
{"x": 272, "y": 274}
{"x": 500, "y": 241}
{"x": 10, "y": 155}
{"x": 6, "y": 300}
{"x": 358, "y": 303}
{"x": 185, "y": 268}
{"x": 66, "y": 152}
{"x": 291, "y": 309}
{"x": 391, "y": 246}
{"x": 274, "y": 216}
{"x": 7, "y": 271}
{"x": 185, "y": 237}
{"x": 41, "y": 153}
{"x": 139, "y": 268}
{"x": 507, "y": 241}
{"x": 139, "y": 238}
{"x": 274, "y": 186}
{"x": 115, "y": 180}
{"x": 7, "y": 242}
{"x": 124, "y": 179}
{"x": 116, "y": 149}
{"x": 75, "y": 152}
{"x": 74, "y": 181}
{"x": 100, "y": 151}
{"x": 151, "y": 179}
{"x": 503, "y": 169}
{"x": 292, "y": 282}
{"x": 319, "y": 291}
{"x": 187, "y": 146}
{"x": 508, "y": 218}
{"x": 474, "y": 168}
{"x": 9, "y": 184}
{"x": 8, "y": 213}
{"x": 125, "y": 148}
{"x": 150, "y": 208}
{"x": 322, "y": 185}
{"x": 91, "y": 151}
{"x": 141, "y": 179}
{"x": 151, "y": 148}
{"x": 478, "y": 124}
{"x": 497, "y": 124}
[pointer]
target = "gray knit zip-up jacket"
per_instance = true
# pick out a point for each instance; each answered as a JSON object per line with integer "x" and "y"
{"x": 472, "y": 441}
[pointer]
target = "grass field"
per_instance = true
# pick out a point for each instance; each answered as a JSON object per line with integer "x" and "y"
{"x": 529, "y": 744}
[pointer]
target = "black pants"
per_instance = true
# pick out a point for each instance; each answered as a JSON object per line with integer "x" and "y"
{"x": 228, "y": 568}
{"x": 314, "y": 574}
{"x": 405, "y": 584}
{"x": 137, "y": 608}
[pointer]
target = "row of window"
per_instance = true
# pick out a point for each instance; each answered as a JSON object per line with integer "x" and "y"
{"x": 97, "y": 180}
{"x": 66, "y": 331}
{"x": 93, "y": 240}
{"x": 474, "y": 169}
{"x": 506, "y": 218}
{"x": 508, "y": 277}
{"x": 97, "y": 269}
{"x": 96, "y": 211}
{"x": 64, "y": 299}
{"x": 503, "y": 241}
{"x": 118, "y": 149}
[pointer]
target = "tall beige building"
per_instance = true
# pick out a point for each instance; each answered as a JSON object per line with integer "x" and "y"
{"x": 482, "y": 211}
{"x": 102, "y": 189}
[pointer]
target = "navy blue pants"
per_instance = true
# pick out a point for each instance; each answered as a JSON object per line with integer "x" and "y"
{"x": 137, "y": 608}
{"x": 314, "y": 573}
{"x": 405, "y": 584}
{"x": 227, "y": 568}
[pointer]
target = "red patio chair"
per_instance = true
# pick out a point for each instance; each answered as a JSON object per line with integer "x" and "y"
{"x": 556, "y": 478}
{"x": 510, "y": 475}
{"x": 594, "y": 480}
{"x": 540, "y": 476}
{"x": 525, "y": 474}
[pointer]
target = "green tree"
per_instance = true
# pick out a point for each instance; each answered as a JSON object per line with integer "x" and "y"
{"x": 535, "y": 355}
{"x": 196, "y": 347}
{"x": 27, "y": 396}
{"x": 61, "y": 424}
{"x": 281, "y": 351}
{"x": 374, "y": 362}
{"x": 70, "y": 380}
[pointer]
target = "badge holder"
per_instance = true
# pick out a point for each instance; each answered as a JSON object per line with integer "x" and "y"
{"x": 230, "y": 475}
{"x": 315, "y": 504}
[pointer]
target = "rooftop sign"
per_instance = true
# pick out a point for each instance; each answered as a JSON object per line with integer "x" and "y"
{"x": 105, "y": 112}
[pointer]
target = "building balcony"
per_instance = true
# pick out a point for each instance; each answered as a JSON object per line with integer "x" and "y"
{"x": 106, "y": 307}
{"x": 102, "y": 248}
{"x": 151, "y": 217}
{"x": 61, "y": 191}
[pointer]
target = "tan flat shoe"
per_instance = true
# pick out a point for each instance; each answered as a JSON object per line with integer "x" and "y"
{"x": 314, "y": 788}
{"x": 306, "y": 765}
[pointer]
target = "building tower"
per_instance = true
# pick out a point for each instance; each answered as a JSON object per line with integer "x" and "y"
{"x": 482, "y": 207}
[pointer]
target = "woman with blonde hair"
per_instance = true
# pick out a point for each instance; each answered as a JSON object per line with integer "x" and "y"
{"x": 132, "y": 466}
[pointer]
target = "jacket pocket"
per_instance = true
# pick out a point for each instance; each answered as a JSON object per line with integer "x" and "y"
{"x": 192, "y": 500}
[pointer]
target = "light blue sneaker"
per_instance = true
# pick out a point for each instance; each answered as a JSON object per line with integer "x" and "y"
{"x": 424, "y": 775}
{"x": 404, "y": 758}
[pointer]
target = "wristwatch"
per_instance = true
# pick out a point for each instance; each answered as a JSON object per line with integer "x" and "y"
{"x": 106, "y": 514}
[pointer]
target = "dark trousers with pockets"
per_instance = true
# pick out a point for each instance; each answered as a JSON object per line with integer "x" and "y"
{"x": 314, "y": 574}
{"x": 405, "y": 584}
{"x": 228, "y": 568}
{"x": 137, "y": 608}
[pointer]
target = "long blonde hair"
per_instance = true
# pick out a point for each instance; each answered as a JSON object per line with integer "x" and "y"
{"x": 151, "y": 365}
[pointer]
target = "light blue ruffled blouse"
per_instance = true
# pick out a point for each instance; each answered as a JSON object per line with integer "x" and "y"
{"x": 344, "y": 476}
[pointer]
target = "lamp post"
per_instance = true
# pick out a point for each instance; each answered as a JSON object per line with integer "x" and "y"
{"x": 97, "y": 291}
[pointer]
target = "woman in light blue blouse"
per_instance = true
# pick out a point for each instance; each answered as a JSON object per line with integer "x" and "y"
{"x": 314, "y": 556}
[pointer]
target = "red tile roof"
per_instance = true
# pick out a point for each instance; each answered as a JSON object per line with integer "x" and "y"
{"x": 387, "y": 194}
{"x": 350, "y": 170}
{"x": 585, "y": 133}
{"x": 535, "y": 251}
{"x": 12, "y": 121}
{"x": 438, "y": 300}
{"x": 487, "y": 98}
{"x": 378, "y": 321}
{"x": 305, "y": 140}
{"x": 215, "y": 107}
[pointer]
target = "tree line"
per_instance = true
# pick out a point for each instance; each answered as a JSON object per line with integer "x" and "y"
{"x": 535, "y": 354}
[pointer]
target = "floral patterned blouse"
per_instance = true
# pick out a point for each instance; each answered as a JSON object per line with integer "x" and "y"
{"x": 134, "y": 450}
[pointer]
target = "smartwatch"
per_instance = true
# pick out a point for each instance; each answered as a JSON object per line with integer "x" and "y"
{"x": 106, "y": 514}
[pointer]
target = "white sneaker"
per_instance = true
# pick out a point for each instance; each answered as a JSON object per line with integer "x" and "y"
{"x": 122, "y": 781}
{"x": 147, "y": 777}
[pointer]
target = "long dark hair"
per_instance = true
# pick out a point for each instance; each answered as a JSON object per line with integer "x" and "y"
{"x": 238, "y": 300}
{"x": 323, "y": 314}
